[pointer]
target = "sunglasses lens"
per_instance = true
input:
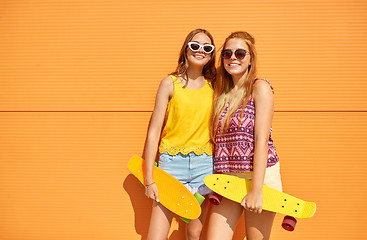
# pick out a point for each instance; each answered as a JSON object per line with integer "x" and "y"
{"x": 240, "y": 54}
{"x": 226, "y": 54}
{"x": 208, "y": 48}
{"x": 194, "y": 46}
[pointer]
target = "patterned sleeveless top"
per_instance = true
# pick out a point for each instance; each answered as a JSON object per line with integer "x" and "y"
{"x": 234, "y": 149}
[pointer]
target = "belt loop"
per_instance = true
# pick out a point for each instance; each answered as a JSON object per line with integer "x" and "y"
{"x": 190, "y": 157}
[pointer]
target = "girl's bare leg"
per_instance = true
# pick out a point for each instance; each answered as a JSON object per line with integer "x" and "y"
{"x": 258, "y": 226}
{"x": 223, "y": 219}
{"x": 160, "y": 222}
{"x": 194, "y": 227}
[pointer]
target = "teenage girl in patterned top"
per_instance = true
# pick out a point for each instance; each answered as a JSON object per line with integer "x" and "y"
{"x": 182, "y": 108}
{"x": 241, "y": 123}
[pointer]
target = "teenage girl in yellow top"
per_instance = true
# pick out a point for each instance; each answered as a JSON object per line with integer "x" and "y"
{"x": 182, "y": 108}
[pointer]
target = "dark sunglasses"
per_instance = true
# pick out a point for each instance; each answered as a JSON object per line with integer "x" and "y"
{"x": 239, "y": 54}
{"x": 207, "y": 48}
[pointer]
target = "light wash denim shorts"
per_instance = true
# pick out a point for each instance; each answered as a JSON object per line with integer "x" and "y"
{"x": 189, "y": 169}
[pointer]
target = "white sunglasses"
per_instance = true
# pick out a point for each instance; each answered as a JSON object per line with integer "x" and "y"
{"x": 207, "y": 48}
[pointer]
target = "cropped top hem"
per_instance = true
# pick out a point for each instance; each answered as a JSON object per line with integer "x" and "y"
{"x": 198, "y": 150}
{"x": 240, "y": 168}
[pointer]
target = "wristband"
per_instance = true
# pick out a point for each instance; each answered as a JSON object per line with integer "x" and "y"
{"x": 146, "y": 186}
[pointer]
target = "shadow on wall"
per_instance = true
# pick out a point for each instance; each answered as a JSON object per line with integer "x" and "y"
{"x": 142, "y": 209}
{"x": 240, "y": 232}
{"x": 141, "y": 205}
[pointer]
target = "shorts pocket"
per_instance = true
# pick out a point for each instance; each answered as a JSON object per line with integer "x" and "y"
{"x": 164, "y": 158}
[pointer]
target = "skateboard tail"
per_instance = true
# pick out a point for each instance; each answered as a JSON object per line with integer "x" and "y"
{"x": 172, "y": 193}
{"x": 286, "y": 204}
{"x": 136, "y": 169}
{"x": 200, "y": 199}
{"x": 231, "y": 187}
{"x": 308, "y": 210}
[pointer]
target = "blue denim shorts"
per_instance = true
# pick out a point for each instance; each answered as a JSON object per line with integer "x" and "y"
{"x": 189, "y": 169}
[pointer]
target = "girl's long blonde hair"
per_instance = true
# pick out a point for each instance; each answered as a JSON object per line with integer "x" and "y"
{"x": 209, "y": 70}
{"x": 224, "y": 84}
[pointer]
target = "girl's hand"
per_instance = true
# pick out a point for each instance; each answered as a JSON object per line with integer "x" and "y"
{"x": 151, "y": 191}
{"x": 253, "y": 201}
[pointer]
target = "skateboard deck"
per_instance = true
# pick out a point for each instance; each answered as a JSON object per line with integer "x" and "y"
{"x": 235, "y": 189}
{"x": 172, "y": 193}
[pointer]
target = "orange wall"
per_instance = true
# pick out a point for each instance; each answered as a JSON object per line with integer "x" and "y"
{"x": 78, "y": 80}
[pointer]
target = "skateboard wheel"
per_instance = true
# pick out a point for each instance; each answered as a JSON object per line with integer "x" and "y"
{"x": 215, "y": 198}
{"x": 289, "y": 223}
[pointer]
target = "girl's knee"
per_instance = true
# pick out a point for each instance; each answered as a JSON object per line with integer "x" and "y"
{"x": 193, "y": 234}
{"x": 193, "y": 231}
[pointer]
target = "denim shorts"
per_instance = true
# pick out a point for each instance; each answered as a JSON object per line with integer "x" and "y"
{"x": 190, "y": 169}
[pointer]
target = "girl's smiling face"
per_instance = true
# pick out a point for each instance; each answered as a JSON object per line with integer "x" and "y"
{"x": 199, "y": 58}
{"x": 233, "y": 65}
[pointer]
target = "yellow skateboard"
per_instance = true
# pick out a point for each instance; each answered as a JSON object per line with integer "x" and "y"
{"x": 172, "y": 193}
{"x": 235, "y": 189}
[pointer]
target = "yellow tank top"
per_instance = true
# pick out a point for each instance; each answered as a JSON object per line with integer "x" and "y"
{"x": 187, "y": 121}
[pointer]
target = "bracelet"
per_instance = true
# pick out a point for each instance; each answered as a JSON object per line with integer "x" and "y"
{"x": 146, "y": 186}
